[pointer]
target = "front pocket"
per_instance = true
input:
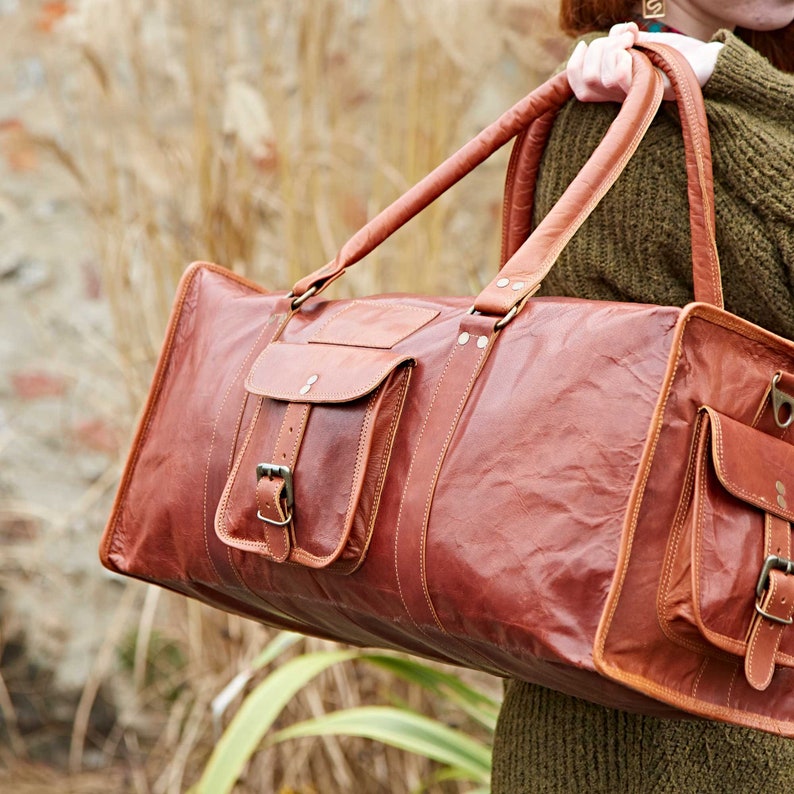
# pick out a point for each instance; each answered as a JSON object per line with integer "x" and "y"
{"x": 729, "y": 548}
{"x": 307, "y": 481}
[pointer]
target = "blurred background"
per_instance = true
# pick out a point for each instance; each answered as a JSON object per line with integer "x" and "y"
{"x": 136, "y": 137}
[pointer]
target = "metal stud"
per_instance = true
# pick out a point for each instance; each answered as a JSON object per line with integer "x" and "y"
{"x": 482, "y": 342}
{"x": 781, "y": 501}
{"x": 463, "y": 338}
{"x": 781, "y": 489}
{"x": 518, "y": 285}
{"x": 312, "y": 379}
{"x": 305, "y": 389}
{"x": 503, "y": 282}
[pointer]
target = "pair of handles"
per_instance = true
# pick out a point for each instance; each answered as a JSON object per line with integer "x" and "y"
{"x": 522, "y": 274}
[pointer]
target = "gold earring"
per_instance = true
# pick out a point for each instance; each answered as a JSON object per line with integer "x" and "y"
{"x": 653, "y": 9}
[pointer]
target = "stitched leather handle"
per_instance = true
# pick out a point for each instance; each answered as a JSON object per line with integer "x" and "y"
{"x": 521, "y": 177}
{"x": 526, "y": 269}
{"x": 523, "y": 273}
{"x": 642, "y": 101}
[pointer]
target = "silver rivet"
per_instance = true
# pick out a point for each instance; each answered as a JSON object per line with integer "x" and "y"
{"x": 503, "y": 282}
{"x": 781, "y": 489}
{"x": 463, "y": 338}
{"x": 305, "y": 389}
{"x": 518, "y": 285}
{"x": 312, "y": 379}
{"x": 482, "y": 341}
{"x": 781, "y": 501}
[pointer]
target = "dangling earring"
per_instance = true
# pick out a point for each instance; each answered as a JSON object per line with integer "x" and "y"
{"x": 653, "y": 9}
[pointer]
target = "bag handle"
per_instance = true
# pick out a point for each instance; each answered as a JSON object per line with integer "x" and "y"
{"x": 593, "y": 181}
{"x": 552, "y": 95}
{"x": 705, "y": 261}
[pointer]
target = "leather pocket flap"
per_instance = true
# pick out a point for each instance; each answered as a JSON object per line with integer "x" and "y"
{"x": 755, "y": 467}
{"x": 310, "y": 373}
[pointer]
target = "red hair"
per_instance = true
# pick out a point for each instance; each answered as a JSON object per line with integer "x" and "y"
{"x": 586, "y": 16}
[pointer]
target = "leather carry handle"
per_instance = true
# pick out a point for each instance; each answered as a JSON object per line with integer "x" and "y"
{"x": 550, "y": 96}
{"x": 533, "y": 260}
{"x": 593, "y": 181}
{"x": 522, "y": 175}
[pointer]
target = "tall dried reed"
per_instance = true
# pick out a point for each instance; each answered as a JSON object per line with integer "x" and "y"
{"x": 260, "y": 135}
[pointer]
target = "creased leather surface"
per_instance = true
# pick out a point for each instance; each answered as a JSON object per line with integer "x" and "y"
{"x": 726, "y": 363}
{"x": 509, "y": 602}
{"x": 518, "y": 519}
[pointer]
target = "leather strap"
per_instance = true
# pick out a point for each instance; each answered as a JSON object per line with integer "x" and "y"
{"x": 529, "y": 265}
{"x": 275, "y": 514}
{"x": 766, "y": 633}
{"x": 520, "y": 182}
{"x": 523, "y": 168}
{"x": 533, "y": 260}
{"x": 466, "y": 359}
{"x": 645, "y": 92}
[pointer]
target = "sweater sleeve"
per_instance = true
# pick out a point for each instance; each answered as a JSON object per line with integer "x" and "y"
{"x": 750, "y": 108}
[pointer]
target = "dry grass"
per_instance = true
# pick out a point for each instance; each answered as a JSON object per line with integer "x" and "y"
{"x": 260, "y": 135}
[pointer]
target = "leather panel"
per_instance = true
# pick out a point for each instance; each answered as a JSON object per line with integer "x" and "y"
{"x": 362, "y": 325}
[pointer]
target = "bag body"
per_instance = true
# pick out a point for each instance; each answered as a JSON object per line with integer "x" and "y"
{"x": 559, "y": 490}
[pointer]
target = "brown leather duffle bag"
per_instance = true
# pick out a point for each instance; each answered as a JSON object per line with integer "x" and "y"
{"x": 592, "y": 496}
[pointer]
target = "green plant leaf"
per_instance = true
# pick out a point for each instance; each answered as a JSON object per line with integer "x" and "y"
{"x": 280, "y": 643}
{"x": 258, "y": 712}
{"x": 404, "y": 729}
{"x": 478, "y": 706}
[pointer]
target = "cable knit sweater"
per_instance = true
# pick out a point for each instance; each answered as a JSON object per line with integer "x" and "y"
{"x": 635, "y": 247}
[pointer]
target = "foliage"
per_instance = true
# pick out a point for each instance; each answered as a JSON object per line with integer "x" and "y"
{"x": 461, "y": 756}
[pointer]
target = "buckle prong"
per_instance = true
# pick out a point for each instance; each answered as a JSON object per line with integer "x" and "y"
{"x": 271, "y": 470}
{"x": 772, "y": 563}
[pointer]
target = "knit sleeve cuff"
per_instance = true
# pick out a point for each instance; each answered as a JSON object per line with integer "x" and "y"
{"x": 743, "y": 77}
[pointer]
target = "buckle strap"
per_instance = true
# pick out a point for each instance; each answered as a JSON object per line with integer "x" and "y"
{"x": 774, "y": 604}
{"x": 774, "y": 614}
{"x": 275, "y": 497}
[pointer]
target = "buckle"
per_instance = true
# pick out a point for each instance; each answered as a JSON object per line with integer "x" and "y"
{"x": 772, "y": 563}
{"x": 271, "y": 470}
{"x": 782, "y": 404}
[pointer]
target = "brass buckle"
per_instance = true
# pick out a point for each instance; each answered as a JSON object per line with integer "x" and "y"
{"x": 772, "y": 562}
{"x": 298, "y": 302}
{"x": 271, "y": 470}
{"x": 779, "y": 400}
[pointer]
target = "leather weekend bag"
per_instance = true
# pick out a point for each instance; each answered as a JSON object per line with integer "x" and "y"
{"x": 587, "y": 495}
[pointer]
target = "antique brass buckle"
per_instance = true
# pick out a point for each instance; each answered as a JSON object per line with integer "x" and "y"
{"x": 779, "y": 400}
{"x": 271, "y": 470}
{"x": 772, "y": 562}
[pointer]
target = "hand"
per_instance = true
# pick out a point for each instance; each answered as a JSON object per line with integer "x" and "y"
{"x": 601, "y": 71}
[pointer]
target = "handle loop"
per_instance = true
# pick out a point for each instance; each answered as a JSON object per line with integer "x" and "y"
{"x": 525, "y": 270}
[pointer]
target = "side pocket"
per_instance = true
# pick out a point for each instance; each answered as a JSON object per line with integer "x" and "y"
{"x": 727, "y": 573}
{"x": 307, "y": 481}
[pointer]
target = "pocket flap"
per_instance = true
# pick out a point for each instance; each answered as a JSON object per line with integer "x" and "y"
{"x": 753, "y": 466}
{"x": 311, "y": 373}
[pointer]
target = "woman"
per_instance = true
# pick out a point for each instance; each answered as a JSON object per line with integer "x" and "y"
{"x": 635, "y": 247}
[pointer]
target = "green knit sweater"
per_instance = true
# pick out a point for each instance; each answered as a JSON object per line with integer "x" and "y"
{"x": 635, "y": 247}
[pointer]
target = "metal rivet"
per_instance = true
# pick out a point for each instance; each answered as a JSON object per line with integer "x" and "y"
{"x": 312, "y": 379}
{"x": 305, "y": 389}
{"x": 463, "y": 338}
{"x": 518, "y": 285}
{"x": 781, "y": 501}
{"x": 482, "y": 341}
{"x": 781, "y": 489}
{"x": 503, "y": 282}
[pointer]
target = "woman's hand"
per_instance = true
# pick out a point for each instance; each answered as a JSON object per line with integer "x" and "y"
{"x": 601, "y": 71}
